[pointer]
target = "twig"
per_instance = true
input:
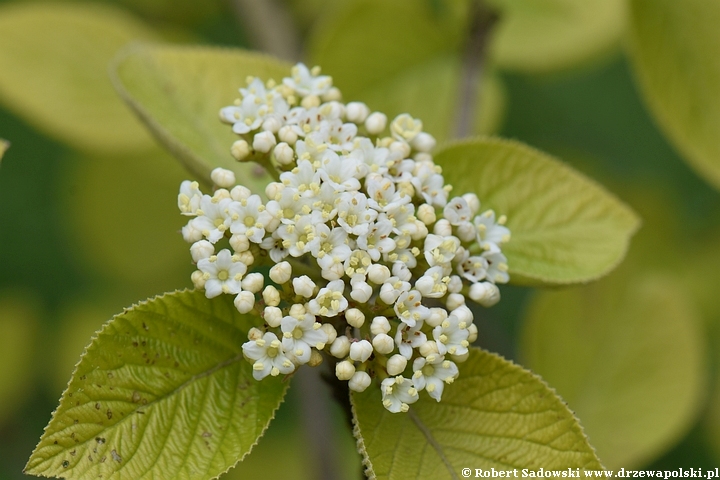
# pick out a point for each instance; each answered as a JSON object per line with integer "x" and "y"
{"x": 472, "y": 69}
{"x": 269, "y": 27}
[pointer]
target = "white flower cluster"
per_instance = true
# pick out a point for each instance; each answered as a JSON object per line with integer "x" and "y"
{"x": 370, "y": 260}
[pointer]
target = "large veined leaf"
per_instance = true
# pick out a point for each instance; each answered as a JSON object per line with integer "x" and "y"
{"x": 178, "y": 92}
{"x": 565, "y": 227}
{"x": 675, "y": 49}
{"x": 415, "y": 65}
{"x": 627, "y": 355}
{"x": 53, "y": 72}
{"x": 546, "y": 35}
{"x": 495, "y": 415}
{"x": 163, "y": 391}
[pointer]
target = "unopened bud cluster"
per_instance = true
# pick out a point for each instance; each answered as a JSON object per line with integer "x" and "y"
{"x": 370, "y": 259}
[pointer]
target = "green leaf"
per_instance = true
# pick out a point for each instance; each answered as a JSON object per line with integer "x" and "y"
{"x": 163, "y": 391}
{"x": 565, "y": 228}
{"x": 495, "y": 415}
{"x": 4, "y": 145}
{"x": 55, "y": 74}
{"x": 415, "y": 66}
{"x": 627, "y": 355}
{"x": 675, "y": 49}
{"x": 178, "y": 92}
{"x": 540, "y": 36}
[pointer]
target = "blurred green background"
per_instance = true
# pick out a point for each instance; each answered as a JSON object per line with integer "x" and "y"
{"x": 89, "y": 223}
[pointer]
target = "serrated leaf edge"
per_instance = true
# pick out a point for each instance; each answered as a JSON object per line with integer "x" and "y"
{"x": 85, "y": 351}
{"x": 357, "y": 431}
{"x": 525, "y": 279}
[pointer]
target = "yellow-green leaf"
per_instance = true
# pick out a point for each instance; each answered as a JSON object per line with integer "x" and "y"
{"x": 546, "y": 35}
{"x": 675, "y": 50}
{"x": 627, "y": 355}
{"x": 4, "y": 145}
{"x": 163, "y": 391}
{"x": 565, "y": 227}
{"x": 415, "y": 65}
{"x": 495, "y": 415}
{"x": 178, "y": 92}
{"x": 53, "y": 72}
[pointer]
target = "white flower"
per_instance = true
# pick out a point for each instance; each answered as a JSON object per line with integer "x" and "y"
{"x": 308, "y": 82}
{"x": 213, "y": 219}
{"x": 189, "y": 197}
{"x": 405, "y": 128}
{"x": 497, "y": 271}
{"x": 249, "y": 218}
{"x": 397, "y": 394}
{"x": 433, "y": 283}
{"x": 491, "y": 234}
{"x": 457, "y": 211}
{"x": 300, "y": 335}
{"x": 353, "y": 213}
{"x": 269, "y": 356}
{"x": 410, "y": 309}
{"x": 330, "y": 300}
{"x": 440, "y": 250}
{"x": 451, "y": 336}
{"x": 408, "y": 338}
{"x": 223, "y": 273}
{"x": 432, "y": 373}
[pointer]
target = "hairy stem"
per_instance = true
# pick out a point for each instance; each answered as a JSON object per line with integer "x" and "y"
{"x": 482, "y": 21}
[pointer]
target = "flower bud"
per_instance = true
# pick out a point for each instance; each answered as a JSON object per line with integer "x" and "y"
{"x": 332, "y": 110}
{"x": 383, "y": 343}
{"x": 198, "y": 279}
{"x": 287, "y": 135}
{"x": 361, "y": 292}
{"x": 423, "y": 142}
{"x": 354, "y": 317}
{"x": 396, "y": 364}
{"x": 400, "y": 148}
{"x": 333, "y": 94}
{"x": 255, "y": 334}
{"x": 246, "y": 257}
{"x": 472, "y": 333}
{"x": 340, "y": 347}
{"x": 485, "y": 293}
{"x": 426, "y": 214}
{"x": 335, "y": 272}
{"x": 401, "y": 271}
{"x": 330, "y": 332}
{"x": 466, "y": 232}
{"x": 191, "y": 233}
{"x": 443, "y": 228}
{"x": 304, "y": 286}
{"x": 378, "y": 273}
{"x": 201, "y": 249}
{"x": 272, "y": 316}
{"x": 284, "y": 154}
{"x": 315, "y": 358}
{"x": 244, "y": 302}
{"x": 298, "y": 311}
{"x": 421, "y": 231}
{"x": 437, "y": 316}
{"x": 428, "y": 348}
{"x": 222, "y": 177}
{"x": 356, "y": 112}
{"x": 271, "y": 296}
{"x": 455, "y": 285}
{"x": 239, "y": 243}
{"x": 253, "y": 282}
{"x": 375, "y": 123}
{"x": 379, "y": 325}
{"x": 472, "y": 202}
{"x": 344, "y": 370}
{"x": 240, "y": 150}
{"x": 460, "y": 358}
{"x": 239, "y": 193}
{"x": 464, "y": 314}
{"x": 273, "y": 190}
{"x": 454, "y": 300}
{"x": 281, "y": 272}
{"x": 264, "y": 141}
{"x": 361, "y": 351}
{"x": 271, "y": 124}
{"x": 359, "y": 382}
{"x": 310, "y": 101}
